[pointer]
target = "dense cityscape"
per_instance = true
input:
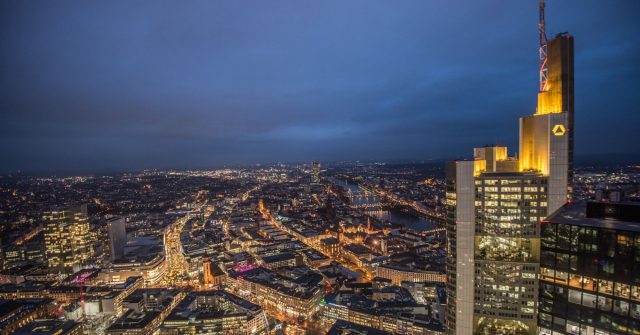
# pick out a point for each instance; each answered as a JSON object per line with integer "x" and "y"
{"x": 285, "y": 248}
{"x": 523, "y": 242}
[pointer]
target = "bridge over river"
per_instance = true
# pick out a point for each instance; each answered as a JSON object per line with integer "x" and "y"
{"x": 374, "y": 206}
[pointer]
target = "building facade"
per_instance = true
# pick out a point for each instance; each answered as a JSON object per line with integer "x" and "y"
{"x": 67, "y": 238}
{"x": 590, "y": 270}
{"x": 397, "y": 274}
{"x": 117, "y": 237}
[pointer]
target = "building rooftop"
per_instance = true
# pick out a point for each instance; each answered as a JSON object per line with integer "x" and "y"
{"x": 211, "y": 304}
{"x": 285, "y": 256}
{"x": 46, "y": 327}
{"x": 133, "y": 320}
{"x": 576, "y": 214}
{"x": 304, "y": 285}
{"x": 12, "y": 310}
{"x": 342, "y": 327}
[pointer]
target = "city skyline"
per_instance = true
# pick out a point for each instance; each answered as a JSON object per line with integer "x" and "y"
{"x": 91, "y": 88}
{"x": 280, "y": 169}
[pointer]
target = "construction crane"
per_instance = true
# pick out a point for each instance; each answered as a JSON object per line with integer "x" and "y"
{"x": 543, "y": 49}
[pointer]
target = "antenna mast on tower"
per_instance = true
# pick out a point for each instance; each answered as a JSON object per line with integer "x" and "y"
{"x": 543, "y": 49}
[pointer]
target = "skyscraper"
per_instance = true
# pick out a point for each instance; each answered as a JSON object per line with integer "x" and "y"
{"x": 315, "y": 172}
{"x": 117, "y": 237}
{"x": 496, "y": 203}
{"x": 67, "y": 238}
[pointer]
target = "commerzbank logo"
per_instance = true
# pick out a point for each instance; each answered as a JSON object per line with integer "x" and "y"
{"x": 559, "y": 130}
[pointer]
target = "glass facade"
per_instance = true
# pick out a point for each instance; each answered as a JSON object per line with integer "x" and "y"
{"x": 589, "y": 279}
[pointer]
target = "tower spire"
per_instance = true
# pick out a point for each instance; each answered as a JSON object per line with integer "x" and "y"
{"x": 543, "y": 49}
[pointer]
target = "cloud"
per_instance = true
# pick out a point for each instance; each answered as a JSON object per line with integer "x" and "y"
{"x": 144, "y": 84}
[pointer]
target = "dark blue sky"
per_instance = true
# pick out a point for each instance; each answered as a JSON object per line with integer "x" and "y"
{"x": 96, "y": 86}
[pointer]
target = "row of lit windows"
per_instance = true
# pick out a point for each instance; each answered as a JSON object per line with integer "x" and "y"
{"x": 591, "y": 284}
{"x": 504, "y": 203}
{"x": 576, "y": 328}
{"x": 509, "y": 181}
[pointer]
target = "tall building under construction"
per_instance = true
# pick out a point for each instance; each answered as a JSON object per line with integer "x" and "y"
{"x": 496, "y": 203}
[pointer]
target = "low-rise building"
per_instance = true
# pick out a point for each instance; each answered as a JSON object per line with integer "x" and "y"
{"x": 390, "y": 309}
{"x": 398, "y": 274}
{"x": 294, "y": 294}
{"x": 215, "y": 312}
{"x": 50, "y": 327}
{"x": 147, "y": 308}
{"x": 17, "y": 313}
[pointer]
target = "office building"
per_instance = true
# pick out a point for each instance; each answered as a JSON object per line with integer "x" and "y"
{"x": 496, "y": 203}
{"x": 117, "y": 237}
{"x": 590, "y": 270}
{"x": 315, "y": 173}
{"x": 67, "y": 238}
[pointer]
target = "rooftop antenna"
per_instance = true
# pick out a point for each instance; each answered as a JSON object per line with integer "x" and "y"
{"x": 543, "y": 49}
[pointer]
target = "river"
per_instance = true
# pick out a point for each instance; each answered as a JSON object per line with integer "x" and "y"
{"x": 359, "y": 196}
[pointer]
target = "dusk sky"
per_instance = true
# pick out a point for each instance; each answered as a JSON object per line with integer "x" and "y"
{"x": 89, "y": 86}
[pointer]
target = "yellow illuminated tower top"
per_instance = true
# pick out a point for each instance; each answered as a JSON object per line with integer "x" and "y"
{"x": 546, "y": 138}
{"x": 557, "y": 96}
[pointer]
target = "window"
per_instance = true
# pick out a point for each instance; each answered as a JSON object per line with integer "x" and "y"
{"x": 621, "y": 307}
{"x": 562, "y": 277}
{"x": 546, "y": 273}
{"x": 589, "y": 284}
{"x": 589, "y": 300}
{"x": 605, "y": 286}
{"x": 622, "y": 290}
{"x": 635, "y": 311}
{"x": 573, "y": 264}
{"x": 608, "y": 241}
{"x": 607, "y": 267}
{"x": 604, "y": 303}
{"x": 575, "y": 281}
{"x": 547, "y": 258}
{"x": 564, "y": 237}
{"x": 562, "y": 261}
{"x": 625, "y": 244}
{"x": 635, "y": 293}
{"x": 545, "y": 319}
{"x": 548, "y": 235}
{"x": 573, "y": 328}
{"x": 574, "y": 297}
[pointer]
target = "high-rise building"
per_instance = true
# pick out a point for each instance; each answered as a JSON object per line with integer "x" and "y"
{"x": 590, "y": 270}
{"x": 116, "y": 229}
{"x": 493, "y": 246}
{"x": 67, "y": 238}
{"x": 496, "y": 203}
{"x": 315, "y": 172}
